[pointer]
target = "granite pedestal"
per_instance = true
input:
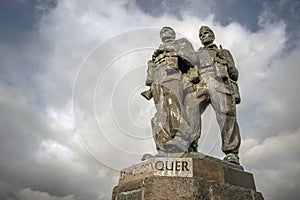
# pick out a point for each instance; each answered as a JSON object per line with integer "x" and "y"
{"x": 185, "y": 178}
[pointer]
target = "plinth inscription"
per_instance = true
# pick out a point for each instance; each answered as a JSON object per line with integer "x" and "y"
{"x": 188, "y": 177}
{"x": 178, "y": 167}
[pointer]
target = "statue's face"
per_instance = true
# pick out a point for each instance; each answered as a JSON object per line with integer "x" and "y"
{"x": 206, "y": 37}
{"x": 167, "y": 34}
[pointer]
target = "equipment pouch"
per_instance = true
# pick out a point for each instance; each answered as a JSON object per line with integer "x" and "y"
{"x": 237, "y": 95}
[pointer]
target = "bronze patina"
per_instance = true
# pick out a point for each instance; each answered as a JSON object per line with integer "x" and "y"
{"x": 183, "y": 83}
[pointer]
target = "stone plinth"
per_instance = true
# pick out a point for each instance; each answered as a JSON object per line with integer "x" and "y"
{"x": 185, "y": 178}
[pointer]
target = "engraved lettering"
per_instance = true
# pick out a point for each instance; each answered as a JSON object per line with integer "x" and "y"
{"x": 147, "y": 168}
{"x": 159, "y": 165}
{"x": 142, "y": 169}
{"x": 185, "y": 165}
{"x": 134, "y": 171}
{"x": 172, "y": 166}
{"x": 177, "y": 166}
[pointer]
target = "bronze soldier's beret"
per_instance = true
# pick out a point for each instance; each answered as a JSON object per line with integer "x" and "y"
{"x": 206, "y": 28}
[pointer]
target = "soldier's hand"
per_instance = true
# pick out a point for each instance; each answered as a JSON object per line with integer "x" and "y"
{"x": 193, "y": 74}
{"x": 167, "y": 47}
{"x": 222, "y": 54}
{"x": 156, "y": 53}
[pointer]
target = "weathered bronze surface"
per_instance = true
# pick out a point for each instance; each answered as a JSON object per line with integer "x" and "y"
{"x": 183, "y": 83}
{"x": 171, "y": 131}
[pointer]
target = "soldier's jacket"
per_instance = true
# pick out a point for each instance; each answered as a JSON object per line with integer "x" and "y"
{"x": 170, "y": 60}
{"x": 219, "y": 64}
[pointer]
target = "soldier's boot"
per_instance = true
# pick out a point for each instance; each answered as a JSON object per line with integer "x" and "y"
{"x": 193, "y": 147}
{"x": 160, "y": 153}
{"x": 177, "y": 145}
{"x": 232, "y": 158}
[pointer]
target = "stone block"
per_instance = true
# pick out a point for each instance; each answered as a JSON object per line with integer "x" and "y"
{"x": 185, "y": 178}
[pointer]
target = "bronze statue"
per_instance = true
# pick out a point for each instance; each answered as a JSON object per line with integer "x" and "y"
{"x": 171, "y": 131}
{"x": 183, "y": 83}
{"x": 217, "y": 86}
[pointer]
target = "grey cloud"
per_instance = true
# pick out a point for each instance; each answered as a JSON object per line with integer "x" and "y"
{"x": 177, "y": 8}
{"x": 35, "y": 153}
{"x": 225, "y": 12}
{"x": 247, "y": 14}
{"x": 28, "y": 194}
{"x": 40, "y": 148}
{"x": 276, "y": 157}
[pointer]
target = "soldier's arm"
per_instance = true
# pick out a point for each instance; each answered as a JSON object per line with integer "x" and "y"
{"x": 149, "y": 80}
{"x": 193, "y": 75}
{"x": 232, "y": 70}
{"x": 233, "y": 75}
{"x": 150, "y": 73}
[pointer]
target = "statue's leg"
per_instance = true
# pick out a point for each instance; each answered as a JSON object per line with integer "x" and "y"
{"x": 230, "y": 133}
{"x": 191, "y": 106}
{"x": 225, "y": 109}
{"x": 180, "y": 129}
{"x": 195, "y": 104}
{"x": 174, "y": 103}
{"x": 160, "y": 122}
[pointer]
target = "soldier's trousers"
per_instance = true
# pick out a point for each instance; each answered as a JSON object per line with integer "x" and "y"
{"x": 167, "y": 118}
{"x": 225, "y": 109}
{"x": 169, "y": 121}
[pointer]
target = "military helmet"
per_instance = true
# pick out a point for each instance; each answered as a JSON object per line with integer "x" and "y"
{"x": 169, "y": 34}
{"x": 206, "y": 28}
{"x": 167, "y": 27}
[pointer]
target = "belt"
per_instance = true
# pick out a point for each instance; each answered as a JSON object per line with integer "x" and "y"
{"x": 165, "y": 55}
{"x": 207, "y": 69}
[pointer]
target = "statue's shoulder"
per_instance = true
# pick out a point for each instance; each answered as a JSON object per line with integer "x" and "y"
{"x": 225, "y": 52}
{"x": 183, "y": 42}
{"x": 223, "y": 49}
{"x": 185, "y": 46}
{"x": 200, "y": 49}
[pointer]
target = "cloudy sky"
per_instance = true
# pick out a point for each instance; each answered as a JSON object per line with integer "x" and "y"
{"x": 70, "y": 76}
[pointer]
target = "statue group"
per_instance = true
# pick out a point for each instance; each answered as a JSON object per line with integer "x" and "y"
{"x": 183, "y": 82}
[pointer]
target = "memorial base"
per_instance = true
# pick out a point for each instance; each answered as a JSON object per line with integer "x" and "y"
{"x": 185, "y": 178}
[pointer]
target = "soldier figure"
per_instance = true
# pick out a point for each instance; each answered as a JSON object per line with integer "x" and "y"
{"x": 171, "y": 132}
{"x": 217, "y": 86}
